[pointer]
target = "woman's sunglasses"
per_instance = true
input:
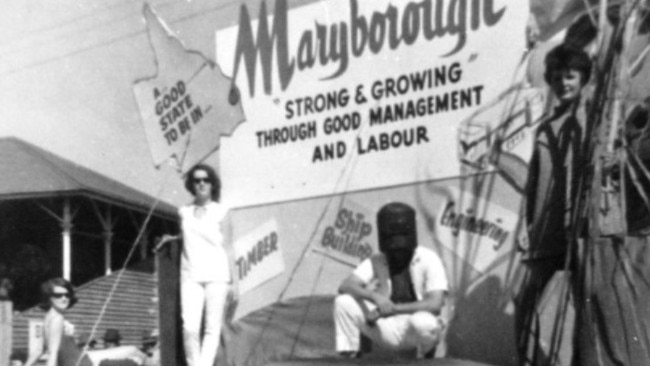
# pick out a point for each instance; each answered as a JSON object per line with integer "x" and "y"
{"x": 58, "y": 296}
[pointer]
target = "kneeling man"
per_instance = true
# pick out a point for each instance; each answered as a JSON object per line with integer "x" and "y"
{"x": 393, "y": 297}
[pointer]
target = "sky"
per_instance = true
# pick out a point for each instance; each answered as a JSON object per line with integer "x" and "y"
{"x": 67, "y": 71}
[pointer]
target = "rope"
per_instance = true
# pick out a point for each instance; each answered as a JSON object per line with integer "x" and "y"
{"x": 121, "y": 272}
{"x": 179, "y": 165}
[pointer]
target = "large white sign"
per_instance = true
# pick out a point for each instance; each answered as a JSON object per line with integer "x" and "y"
{"x": 344, "y": 95}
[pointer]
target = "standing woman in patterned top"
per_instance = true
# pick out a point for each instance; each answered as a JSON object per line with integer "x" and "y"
{"x": 207, "y": 266}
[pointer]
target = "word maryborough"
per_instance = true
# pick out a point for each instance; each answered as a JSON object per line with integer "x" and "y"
{"x": 336, "y": 43}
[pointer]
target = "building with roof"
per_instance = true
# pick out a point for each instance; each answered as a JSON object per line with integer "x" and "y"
{"x": 62, "y": 219}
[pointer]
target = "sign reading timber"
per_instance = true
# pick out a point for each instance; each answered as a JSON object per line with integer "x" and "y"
{"x": 344, "y": 95}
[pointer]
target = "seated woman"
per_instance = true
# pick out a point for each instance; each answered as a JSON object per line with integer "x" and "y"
{"x": 58, "y": 337}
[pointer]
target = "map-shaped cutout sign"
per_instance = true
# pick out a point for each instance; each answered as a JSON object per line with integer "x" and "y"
{"x": 188, "y": 105}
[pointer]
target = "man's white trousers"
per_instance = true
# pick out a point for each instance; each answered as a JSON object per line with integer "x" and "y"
{"x": 420, "y": 330}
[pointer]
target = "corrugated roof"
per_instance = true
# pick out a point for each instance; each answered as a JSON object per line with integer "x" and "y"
{"x": 28, "y": 171}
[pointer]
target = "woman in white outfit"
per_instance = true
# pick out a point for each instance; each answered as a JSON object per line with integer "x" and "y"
{"x": 207, "y": 266}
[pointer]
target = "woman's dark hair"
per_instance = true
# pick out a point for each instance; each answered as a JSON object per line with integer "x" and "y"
{"x": 212, "y": 176}
{"x": 47, "y": 289}
{"x": 564, "y": 57}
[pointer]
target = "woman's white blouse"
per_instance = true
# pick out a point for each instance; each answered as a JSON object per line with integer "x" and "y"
{"x": 204, "y": 257}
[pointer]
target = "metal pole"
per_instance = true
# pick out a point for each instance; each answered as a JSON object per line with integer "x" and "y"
{"x": 66, "y": 225}
{"x": 108, "y": 243}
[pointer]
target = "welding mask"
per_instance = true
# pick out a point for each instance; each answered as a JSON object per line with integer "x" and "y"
{"x": 397, "y": 233}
